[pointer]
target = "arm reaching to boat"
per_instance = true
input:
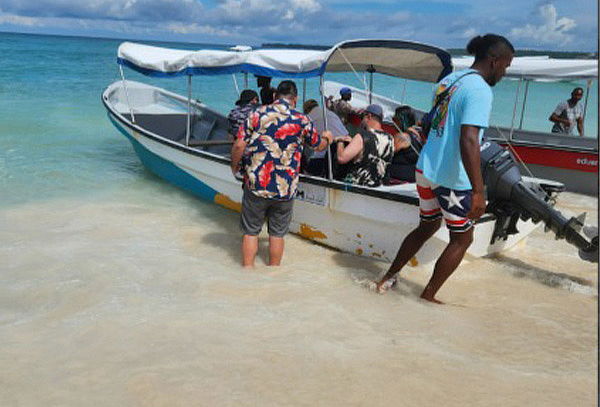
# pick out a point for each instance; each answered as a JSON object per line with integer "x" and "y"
{"x": 237, "y": 151}
{"x": 326, "y": 140}
{"x": 355, "y": 146}
{"x": 469, "y": 151}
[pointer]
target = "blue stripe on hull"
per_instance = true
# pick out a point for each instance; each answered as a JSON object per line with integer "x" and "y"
{"x": 166, "y": 169}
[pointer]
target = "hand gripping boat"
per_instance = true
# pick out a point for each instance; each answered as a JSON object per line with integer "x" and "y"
{"x": 187, "y": 143}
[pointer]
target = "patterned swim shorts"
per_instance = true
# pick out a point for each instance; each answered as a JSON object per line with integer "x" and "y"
{"x": 436, "y": 201}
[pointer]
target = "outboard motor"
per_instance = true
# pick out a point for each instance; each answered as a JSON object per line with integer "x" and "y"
{"x": 511, "y": 198}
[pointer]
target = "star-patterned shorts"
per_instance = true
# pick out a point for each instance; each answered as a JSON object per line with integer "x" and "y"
{"x": 436, "y": 201}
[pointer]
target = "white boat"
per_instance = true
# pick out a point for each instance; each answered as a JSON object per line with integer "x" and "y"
{"x": 569, "y": 159}
{"x": 186, "y": 142}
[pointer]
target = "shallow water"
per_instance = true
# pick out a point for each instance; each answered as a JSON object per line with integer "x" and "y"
{"x": 117, "y": 289}
{"x": 140, "y": 300}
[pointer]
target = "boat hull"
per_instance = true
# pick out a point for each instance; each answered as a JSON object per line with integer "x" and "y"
{"x": 352, "y": 222}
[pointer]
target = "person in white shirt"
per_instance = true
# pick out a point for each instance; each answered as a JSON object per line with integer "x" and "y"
{"x": 568, "y": 113}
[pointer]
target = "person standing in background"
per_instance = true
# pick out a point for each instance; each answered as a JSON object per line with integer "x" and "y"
{"x": 568, "y": 113}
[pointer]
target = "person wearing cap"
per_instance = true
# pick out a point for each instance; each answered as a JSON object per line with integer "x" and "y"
{"x": 271, "y": 141}
{"x": 342, "y": 106}
{"x": 370, "y": 151}
{"x": 244, "y": 106}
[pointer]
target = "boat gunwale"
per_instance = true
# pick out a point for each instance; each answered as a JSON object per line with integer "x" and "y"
{"x": 333, "y": 184}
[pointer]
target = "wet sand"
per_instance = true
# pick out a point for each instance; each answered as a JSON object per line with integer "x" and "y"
{"x": 135, "y": 301}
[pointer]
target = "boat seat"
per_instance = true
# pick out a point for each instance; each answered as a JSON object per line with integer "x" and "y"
{"x": 202, "y": 129}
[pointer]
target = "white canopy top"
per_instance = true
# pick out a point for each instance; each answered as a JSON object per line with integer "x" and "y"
{"x": 392, "y": 57}
{"x": 542, "y": 67}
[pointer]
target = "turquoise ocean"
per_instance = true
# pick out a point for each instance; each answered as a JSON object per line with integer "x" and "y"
{"x": 118, "y": 289}
{"x": 52, "y": 115}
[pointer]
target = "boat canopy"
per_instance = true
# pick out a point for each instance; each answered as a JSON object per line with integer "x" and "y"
{"x": 403, "y": 59}
{"x": 543, "y": 68}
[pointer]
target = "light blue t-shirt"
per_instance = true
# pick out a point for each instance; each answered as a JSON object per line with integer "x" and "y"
{"x": 469, "y": 103}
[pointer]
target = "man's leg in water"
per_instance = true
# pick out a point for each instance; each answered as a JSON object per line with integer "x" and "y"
{"x": 249, "y": 250}
{"x": 409, "y": 247}
{"x": 276, "y": 244}
{"x": 447, "y": 263}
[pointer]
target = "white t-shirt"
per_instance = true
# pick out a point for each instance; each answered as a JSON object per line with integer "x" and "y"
{"x": 565, "y": 111}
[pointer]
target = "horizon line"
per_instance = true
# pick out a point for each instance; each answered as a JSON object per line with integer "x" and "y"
{"x": 596, "y": 53}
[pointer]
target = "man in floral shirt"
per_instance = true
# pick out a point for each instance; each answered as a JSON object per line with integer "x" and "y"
{"x": 271, "y": 142}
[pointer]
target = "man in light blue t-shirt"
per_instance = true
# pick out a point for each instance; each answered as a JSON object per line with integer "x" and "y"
{"x": 448, "y": 172}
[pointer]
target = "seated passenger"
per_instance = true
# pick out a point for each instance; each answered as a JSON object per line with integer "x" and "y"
{"x": 245, "y": 105}
{"x": 315, "y": 161}
{"x": 408, "y": 145}
{"x": 370, "y": 150}
{"x": 342, "y": 106}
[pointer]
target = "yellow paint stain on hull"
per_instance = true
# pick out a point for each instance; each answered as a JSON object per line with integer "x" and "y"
{"x": 309, "y": 232}
{"x": 228, "y": 203}
{"x": 413, "y": 262}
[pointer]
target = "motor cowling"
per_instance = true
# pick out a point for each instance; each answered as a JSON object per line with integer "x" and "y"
{"x": 511, "y": 198}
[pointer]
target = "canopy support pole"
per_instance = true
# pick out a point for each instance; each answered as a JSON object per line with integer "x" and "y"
{"x": 237, "y": 88}
{"x": 303, "y": 91}
{"x": 189, "y": 114}
{"x": 585, "y": 104}
{"x": 329, "y": 155}
{"x": 245, "y": 80}
{"x": 371, "y": 85}
{"x": 512, "y": 122}
{"x": 363, "y": 80}
{"x": 524, "y": 104}
{"x": 403, "y": 92}
{"x": 127, "y": 94}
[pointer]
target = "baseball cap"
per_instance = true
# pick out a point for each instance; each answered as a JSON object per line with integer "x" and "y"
{"x": 375, "y": 109}
{"x": 345, "y": 91}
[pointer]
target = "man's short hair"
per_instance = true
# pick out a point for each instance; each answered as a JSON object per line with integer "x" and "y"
{"x": 309, "y": 105}
{"x": 576, "y": 89}
{"x": 287, "y": 88}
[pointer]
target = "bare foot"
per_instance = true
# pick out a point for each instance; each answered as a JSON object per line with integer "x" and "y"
{"x": 385, "y": 285}
{"x": 431, "y": 299}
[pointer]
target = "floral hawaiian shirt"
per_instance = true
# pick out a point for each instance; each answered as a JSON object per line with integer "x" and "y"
{"x": 274, "y": 137}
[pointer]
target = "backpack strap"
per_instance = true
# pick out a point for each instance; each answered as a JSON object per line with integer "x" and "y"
{"x": 442, "y": 96}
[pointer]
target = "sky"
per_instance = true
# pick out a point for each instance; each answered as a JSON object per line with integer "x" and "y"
{"x": 562, "y": 25}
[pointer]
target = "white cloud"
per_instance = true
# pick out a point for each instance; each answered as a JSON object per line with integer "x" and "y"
{"x": 553, "y": 30}
{"x": 186, "y": 28}
{"x": 308, "y": 5}
{"x": 469, "y": 33}
{"x": 143, "y": 10}
{"x": 20, "y": 20}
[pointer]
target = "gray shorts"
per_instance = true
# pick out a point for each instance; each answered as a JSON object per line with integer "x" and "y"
{"x": 255, "y": 209}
